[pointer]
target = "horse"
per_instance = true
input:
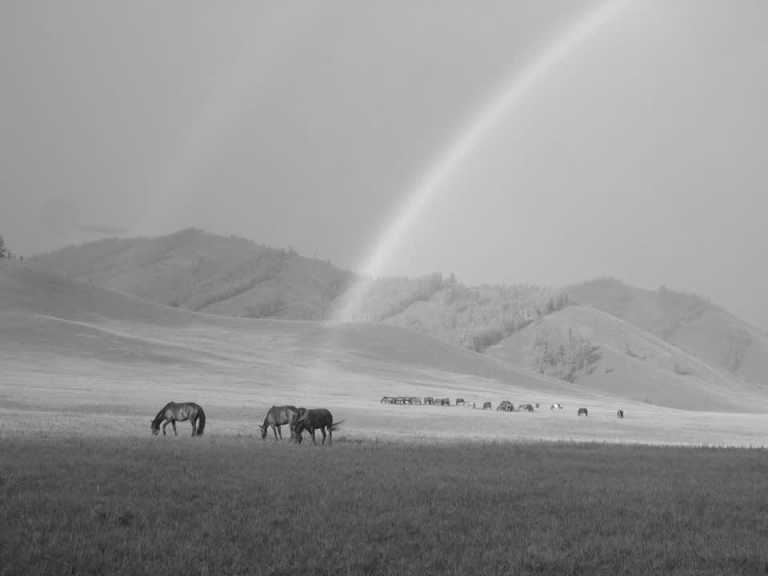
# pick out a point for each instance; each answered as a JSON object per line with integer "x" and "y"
{"x": 312, "y": 419}
{"x": 178, "y": 412}
{"x": 460, "y": 402}
{"x": 556, "y": 406}
{"x": 525, "y": 407}
{"x": 276, "y": 417}
{"x": 487, "y": 405}
{"x": 505, "y": 406}
{"x": 620, "y": 413}
{"x": 582, "y": 412}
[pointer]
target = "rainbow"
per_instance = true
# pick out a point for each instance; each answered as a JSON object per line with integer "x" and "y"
{"x": 428, "y": 185}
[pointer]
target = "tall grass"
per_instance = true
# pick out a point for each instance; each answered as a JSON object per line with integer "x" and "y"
{"x": 243, "y": 506}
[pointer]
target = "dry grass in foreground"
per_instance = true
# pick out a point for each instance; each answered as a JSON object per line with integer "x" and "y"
{"x": 242, "y": 506}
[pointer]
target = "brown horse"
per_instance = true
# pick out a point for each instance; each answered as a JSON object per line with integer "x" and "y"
{"x": 311, "y": 420}
{"x": 582, "y": 412}
{"x": 276, "y": 417}
{"x": 179, "y": 411}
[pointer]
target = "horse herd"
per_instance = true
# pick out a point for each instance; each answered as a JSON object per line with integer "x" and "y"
{"x": 503, "y": 406}
{"x": 310, "y": 420}
{"x": 298, "y": 420}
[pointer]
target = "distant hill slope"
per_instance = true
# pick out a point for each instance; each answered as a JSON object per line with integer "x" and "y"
{"x": 50, "y": 323}
{"x": 44, "y": 317}
{"x": 603, "y": 353}
{"x": 236, "y": 277}
{"x": 204, "y": 272}
{"x": 686, "y": 321}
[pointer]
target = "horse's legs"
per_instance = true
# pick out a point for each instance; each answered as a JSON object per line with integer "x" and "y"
{"x": 193, "y": 421}
{"x": 314, "y": 441}
{"x": 173, "y": 423}
{"x": 274, "y": 431}
{"x": 164, "y": 425}
{"x": 330, "y": 435}
{"x": 279, "y": 431}
{"x": 323, "y": 431}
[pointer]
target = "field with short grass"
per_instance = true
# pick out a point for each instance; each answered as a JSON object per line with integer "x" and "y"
{"x": 237, "y": 505}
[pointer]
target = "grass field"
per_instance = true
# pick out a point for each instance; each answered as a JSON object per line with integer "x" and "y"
{"x": 237, "y": 505}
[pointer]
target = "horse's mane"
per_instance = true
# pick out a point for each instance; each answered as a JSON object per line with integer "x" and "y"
{"x": 160, "y": 415}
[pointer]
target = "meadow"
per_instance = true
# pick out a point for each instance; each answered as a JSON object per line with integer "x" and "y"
{"x": 239, "y": 505}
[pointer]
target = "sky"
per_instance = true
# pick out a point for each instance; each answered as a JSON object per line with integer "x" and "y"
{"x": 639, "y": 155}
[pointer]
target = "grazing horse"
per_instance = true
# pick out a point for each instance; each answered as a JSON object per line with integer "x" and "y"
{"x": 556, "y": 406}
{"x": 506, "y": 406}
{"x": 276, "y": 417}
{"x": 582, "y": 412}
{"x": 311, "y": 420}
{"x": 487, "y": 405}
{"x": 525, "y": 407}
{"x": 178, "y": 412}
{"x": 620, "y": 413}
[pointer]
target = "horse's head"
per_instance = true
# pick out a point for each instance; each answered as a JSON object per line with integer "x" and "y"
{"x": 155, "y": 427}
{"x": 297, "y": 427}
{"x": 263, "y": 429}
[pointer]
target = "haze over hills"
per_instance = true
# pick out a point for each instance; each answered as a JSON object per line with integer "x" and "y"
{"x": 653, "y": 346}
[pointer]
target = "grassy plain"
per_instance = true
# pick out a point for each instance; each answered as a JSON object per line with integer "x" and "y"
{"x": 237, "y": 505}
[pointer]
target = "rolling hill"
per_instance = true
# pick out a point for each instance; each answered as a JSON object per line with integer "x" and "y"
{"x": 538, "y": 329}
{"x": 685, "y": 321}
{"x": 232, "y": 276}
{"x": 603, "y": 353}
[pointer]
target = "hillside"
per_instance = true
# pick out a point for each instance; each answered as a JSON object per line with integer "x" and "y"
{"x": 600, "y": 352}
{"x": 204, "y": 272}
{"x": 49, "y": 316}
{"x": 232, "y": 276}
{"x": 686, "y": 321}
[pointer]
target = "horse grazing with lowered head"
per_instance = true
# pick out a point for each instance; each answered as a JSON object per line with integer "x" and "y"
{"x": 311, "y": 420}
{"x": 276, "y": 417}
{"x": 178, "y": 412}
{"x": 620, "y": 413}
{"x": 582, "y": 412}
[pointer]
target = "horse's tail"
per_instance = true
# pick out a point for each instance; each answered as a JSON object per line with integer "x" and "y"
{"x": 336, "y": 425}
{"x": 200, "y": 421}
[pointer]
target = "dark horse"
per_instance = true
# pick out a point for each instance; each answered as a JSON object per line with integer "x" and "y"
{"x": 311, "y": 420}
{"x": 276, "y": 417}
{"x": 180, "y": 411}
{"x": 620, "y": 413}
{"x": 583, "y": 412}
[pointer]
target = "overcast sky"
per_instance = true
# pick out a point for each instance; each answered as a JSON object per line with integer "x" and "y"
{"x": 641, "y": 156}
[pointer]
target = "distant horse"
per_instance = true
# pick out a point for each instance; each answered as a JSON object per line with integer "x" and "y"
{"x": 460, "y": 402}
{"x": 443, "y": 401}
{"x": 487, "y": 405}
{"x": 556, "y": 406}
{"x": 178, "y": 412}
{"x": 276, "y": 417}
{"x": 525, "y": 407}
{"x": 506, "y": 406}
{"x": 620, "y": 413}
{"x": 387, "y": 400}
{"x": 311, "y": 420}
{"x": 582, "y": 412}
{"x": 429, "y": 400}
